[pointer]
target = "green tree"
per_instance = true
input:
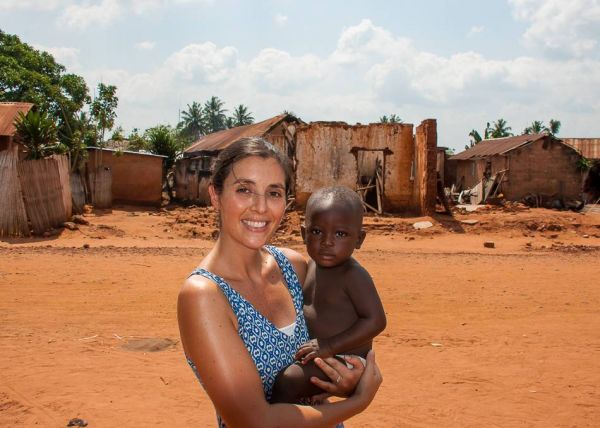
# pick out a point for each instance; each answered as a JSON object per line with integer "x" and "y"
{"x": 241, "y": 116}
{"x": 162, "y": 140}
{"x": 216, "y": 120}
{"x": 29, "y": 75}
{"x": 103, "y": 110}
{"x": 137, "y": 142}
{"x": 501, "y": 129}
{"x": 537, "y": 126}
{"x": 37, "y": 131}
{"x": 192, "y": 122}
{"x": 393, "y": 118}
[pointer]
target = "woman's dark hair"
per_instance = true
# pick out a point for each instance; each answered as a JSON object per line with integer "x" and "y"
{"x": 244, "y": 148}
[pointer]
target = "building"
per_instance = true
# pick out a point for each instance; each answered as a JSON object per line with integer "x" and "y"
{"x": 531, "y": 164}
{"x": 588, "y": 147}
{"x": 8, "y": 114}
{"x": 391, "y": 168}
{"x": 193, "y": 171}
{"x": 126, "y": 177}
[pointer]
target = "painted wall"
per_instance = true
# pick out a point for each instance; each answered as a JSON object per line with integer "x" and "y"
{"x": 136, "y": 178}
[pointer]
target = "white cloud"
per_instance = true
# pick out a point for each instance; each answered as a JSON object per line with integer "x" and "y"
{"x": 566, "y": 27}
{"x": 476, "y": 29}
{"x": 370, "y": 72}
{"x": 146, "y": 45}
{"x": 280, "y": 19}
{"x": 82, "y": 16}
{"x": 33, "y": 5}
{"x": 204, "y": 62}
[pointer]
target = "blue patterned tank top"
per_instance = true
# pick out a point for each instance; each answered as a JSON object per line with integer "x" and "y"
{"x": 270, "y": 349}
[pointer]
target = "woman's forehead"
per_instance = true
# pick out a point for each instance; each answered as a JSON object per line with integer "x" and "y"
{"x": 257, "y": 170}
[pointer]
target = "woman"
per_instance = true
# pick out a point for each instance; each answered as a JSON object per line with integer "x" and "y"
{"x": 240, "y": 313}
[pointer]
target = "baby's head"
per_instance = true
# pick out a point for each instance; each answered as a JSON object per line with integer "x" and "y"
{"x": 332, "y": 227}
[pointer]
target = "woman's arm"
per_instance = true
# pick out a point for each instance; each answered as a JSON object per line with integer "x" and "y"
{"x": 210, "y": 339}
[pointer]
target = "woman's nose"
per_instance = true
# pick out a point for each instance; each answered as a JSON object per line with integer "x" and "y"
{"x": 259, "y": 202}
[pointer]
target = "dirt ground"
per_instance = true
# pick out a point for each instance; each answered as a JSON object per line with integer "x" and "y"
{"x": 504, "y": 336}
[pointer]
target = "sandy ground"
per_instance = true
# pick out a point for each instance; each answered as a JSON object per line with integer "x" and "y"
{"x": 504, "y": 336}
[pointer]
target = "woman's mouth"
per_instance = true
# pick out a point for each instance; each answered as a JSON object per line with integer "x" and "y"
{"x": 255, "y": 224}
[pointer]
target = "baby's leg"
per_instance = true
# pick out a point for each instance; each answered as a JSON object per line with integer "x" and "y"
{"x": 293, "y": 383}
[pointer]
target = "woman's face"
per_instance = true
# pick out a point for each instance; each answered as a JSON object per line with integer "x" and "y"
{"x": 252, "y": 201}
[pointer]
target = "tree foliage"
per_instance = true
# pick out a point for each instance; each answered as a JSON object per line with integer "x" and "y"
{"x": 241, "y": 116}
{"x": 37, "y": 131}
{"x": 193, "y": 124}
{"x": 214, "y": 112}
{"x": 392, "y": 118}
{"x": 29, "y": 75}
{"x": 103, "y": 110}
{"x": 537, "y": 126}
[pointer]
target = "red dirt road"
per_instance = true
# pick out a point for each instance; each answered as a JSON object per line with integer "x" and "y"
{"x": 508, "y": 336}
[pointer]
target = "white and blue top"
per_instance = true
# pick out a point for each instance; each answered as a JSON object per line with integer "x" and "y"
{"x": 271, "y": 349}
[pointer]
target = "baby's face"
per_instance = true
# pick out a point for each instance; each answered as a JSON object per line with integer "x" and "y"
{"x": 331, "y": 234}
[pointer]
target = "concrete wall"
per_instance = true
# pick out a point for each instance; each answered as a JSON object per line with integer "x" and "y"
{"x": 136, "y": 178}
{"x": 544, "y": 167}
{"x": 334, "y": 153}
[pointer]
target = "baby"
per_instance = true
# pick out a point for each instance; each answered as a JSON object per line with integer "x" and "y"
{"x": 342, "y": 308}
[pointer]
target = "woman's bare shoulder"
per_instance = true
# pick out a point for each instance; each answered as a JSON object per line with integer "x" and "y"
{"x": 297, "y": 261}
{"x": 200, "y": 290}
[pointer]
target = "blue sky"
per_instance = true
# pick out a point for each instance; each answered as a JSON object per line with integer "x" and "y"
{"x": 463, "y": 63}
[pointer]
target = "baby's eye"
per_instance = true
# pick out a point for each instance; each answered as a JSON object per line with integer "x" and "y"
{"x": 315, "y": 231}
{"x": 341, "y": 234}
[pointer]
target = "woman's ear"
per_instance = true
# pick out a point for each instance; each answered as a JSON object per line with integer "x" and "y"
{"x": 214, "y": 196}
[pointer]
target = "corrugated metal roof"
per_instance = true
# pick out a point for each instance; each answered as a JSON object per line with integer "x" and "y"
{"x": 8, "y": 114}
{"x": 220, "y": 140}
{"x": 496, "y": 146}
{"x": 588, "y": 147}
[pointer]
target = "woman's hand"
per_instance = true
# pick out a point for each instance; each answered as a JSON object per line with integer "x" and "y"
{"x": 343, "y": 380}
{"x": 360, "y": 381}
{"x": 370, "y": 380}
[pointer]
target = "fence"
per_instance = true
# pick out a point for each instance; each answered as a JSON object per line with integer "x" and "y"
{"x": 13, "y": 217}
{"x": 44, "y": 192}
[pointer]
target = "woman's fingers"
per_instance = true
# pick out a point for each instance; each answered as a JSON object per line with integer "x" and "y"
{"x": 343, "y": 380}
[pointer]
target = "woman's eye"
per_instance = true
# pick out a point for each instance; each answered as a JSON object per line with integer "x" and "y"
{"x": 275, "y": 195}
{"x": 243, "y": 190}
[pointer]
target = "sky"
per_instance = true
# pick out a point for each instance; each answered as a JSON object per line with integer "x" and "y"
{"x": 461, "y": 62}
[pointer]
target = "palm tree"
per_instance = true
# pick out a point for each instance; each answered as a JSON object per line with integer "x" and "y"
{"x": 193, "y": 121}
{"x": 475, "y": 139}
{"x": 241, "y": 116}
{"x": 215, "y": 115}
{"x": 38, "y": 132}
{"x": 536, "y": 127}
{"x": 501, "y": 129}
{"x": 554, "y": 126}
{"x": 393, "y": 118}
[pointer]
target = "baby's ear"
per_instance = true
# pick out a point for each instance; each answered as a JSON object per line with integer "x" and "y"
{"x": 303, "y": 232}
{"x": 361, "y": 238}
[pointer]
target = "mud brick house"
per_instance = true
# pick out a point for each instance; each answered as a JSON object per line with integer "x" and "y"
{"x": 131, "y": 177}
{"x": 192, "y": 173}
{"x": 537, "y": 164}
{"x": 391, "y": 168}
{"x": 8, "y": 113}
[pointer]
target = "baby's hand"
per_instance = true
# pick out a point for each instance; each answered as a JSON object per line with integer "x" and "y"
{"x": 312, "y": 349}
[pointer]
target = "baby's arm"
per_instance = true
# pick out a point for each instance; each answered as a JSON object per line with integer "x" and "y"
{"x": 371, "y": 320}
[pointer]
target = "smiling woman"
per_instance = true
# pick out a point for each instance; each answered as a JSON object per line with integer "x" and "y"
{"x": 240, "y": 313}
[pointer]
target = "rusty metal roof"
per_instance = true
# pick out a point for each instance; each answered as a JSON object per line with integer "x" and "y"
{"x": 588, "y": 147}
{"x": 8, "y": 114}
{"x": 497, "y": 146}
{"x": 220, "y": 140}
